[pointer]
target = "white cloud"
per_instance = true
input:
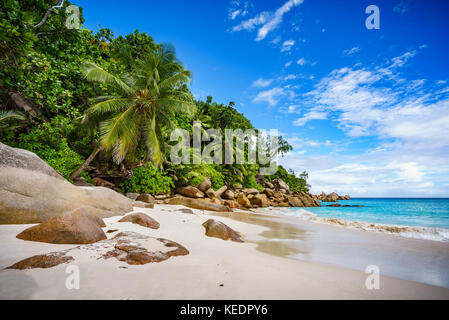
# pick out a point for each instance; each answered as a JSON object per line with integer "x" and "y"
{"x": 270, "y": 96}
{"x": 292, "y": 108}
{"x": 276, "y": 19}
{"x": 401, "y": 60}
{"x": 276, "y": 40}
{"x": 406, "y": 120}
{"x": 269, "y": 21}
{"x": 377, "y": 102}
{"x": 298, "y": 143}
{"x": 312, "y": 115}
{"x": 301, "y": 62}
{"x": 287, "y": 45}
{"x": 239, "y": 9}
{"x": 351, "y": 51}
{"x": 233, "y": 14}
{"x": 250, "y": 24}
{"x": 262, "y": 83}
{"x": 362, "y": 175}
{"x": 288, "y": 64}
{"x": 408, "y": 171}
{"x": 290, "y": 77}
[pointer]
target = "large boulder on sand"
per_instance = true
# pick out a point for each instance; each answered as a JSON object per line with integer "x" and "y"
{"x": 268, "y": 192}
{"x": 295, "y": 202}
{"x": 141, "y": 219}
{"x": 44, "y": 261}
{"x": 130, "y": 247}
{"x": 190, "y": 192}
{"x": 259, "y": 200}
{"x": 145, "y": 197}
{"x": 32, "y": 192}
{"x": 280, "y": 185}
{"x": 229, "y": 195}
{"x": 218, "y": 229}
{"x": 220, "y": 191}
{"x": 135, "y": 249}
{"x": 76, "y": 227}
{"x": 243, "y": 201}
{"x": 24, "y": 159}
{"x": 133, "y": 196}
{"x": 231, "y": 204}
{"x": 205, "y": 185}
{"x": 141, "y": 204}
{"x": 210, "y": 193}
{"x": 269, "y": 185}
{"x": 198, "y": 204}
{"x": 252, "y": 191}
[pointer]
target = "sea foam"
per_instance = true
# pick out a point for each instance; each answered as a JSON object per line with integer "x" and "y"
{"x": 427, "y": 233}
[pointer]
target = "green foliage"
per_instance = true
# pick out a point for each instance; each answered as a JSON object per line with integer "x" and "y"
{"x": 193, "y": 175}
{"x": 148, "y": 179}
{"x": 43, "y": 64}
{"x": 16, "y": 38}
{"x": 49, "y": 143}
{"x": 9, "y": 119}
{"x": 44, "y": 67}
{"x": 252, "y": 183}
{"x": 226, "y": 117}
{"x": 132, "y": 47}
{"x": 289, "y": 177}
{"x": 140, "y": 105}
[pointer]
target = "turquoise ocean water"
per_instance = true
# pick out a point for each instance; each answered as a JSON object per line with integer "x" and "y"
{"x": 428, "y": 218}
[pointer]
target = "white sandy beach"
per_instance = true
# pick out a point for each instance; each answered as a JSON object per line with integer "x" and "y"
{"x": 250, "y": 270}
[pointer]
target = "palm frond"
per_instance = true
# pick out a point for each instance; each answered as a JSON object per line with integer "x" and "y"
{"x": 128, "y": 142}
{"x": 112, "y": 130}
{"x": 93, "y": 72}
{"x": 114, "y": 105}
{"x": 141, "y": 104}
{"x": 177, "y": 105}
{"x": 176, "y": 79}
{"x": 7, "y": 118}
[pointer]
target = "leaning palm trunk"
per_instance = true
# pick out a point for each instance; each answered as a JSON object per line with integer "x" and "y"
{"x": 92, "y": 156}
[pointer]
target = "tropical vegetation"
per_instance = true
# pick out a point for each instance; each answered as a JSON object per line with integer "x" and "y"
{"x": 96, "y": 104}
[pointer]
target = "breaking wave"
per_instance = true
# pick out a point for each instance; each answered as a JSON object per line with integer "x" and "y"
{"x": 427, "y": 233}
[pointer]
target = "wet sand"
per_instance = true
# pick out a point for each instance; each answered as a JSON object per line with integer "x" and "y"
{"x": 418, "y": 260}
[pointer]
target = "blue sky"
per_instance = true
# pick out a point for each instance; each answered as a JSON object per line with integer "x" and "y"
{"x": 367, "y": 111}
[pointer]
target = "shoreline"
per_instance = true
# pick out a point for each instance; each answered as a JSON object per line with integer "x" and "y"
{"x": 438, "y": 234}
{"x": 260, "y": 268}
{"x": 419, "y": 260}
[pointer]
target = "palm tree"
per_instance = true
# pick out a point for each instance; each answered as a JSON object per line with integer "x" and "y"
{"x": 8, "y": 118}
{"x": 202, "y": 118}
{"x": 140, "y": 106}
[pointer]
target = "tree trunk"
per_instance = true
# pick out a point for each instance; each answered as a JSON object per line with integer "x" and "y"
{"x": 33, "y": 112}
{"x": 92, "y": 156}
